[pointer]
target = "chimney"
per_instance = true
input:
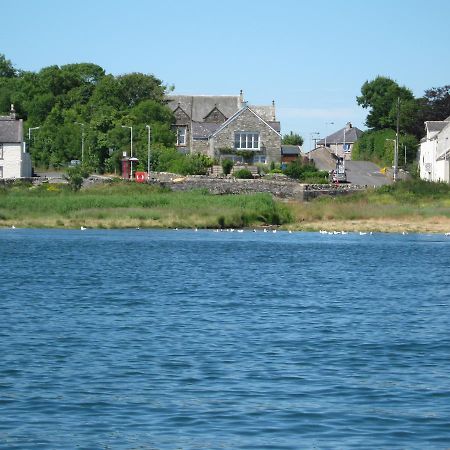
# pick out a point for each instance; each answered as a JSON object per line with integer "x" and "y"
{"x": 242, "y": 102}
{"x": 348, "y": 126}
{"x": 273, "y": 111}
{"x": 12, "y": 113}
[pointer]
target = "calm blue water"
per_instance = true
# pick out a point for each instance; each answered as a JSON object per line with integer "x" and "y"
{"x": 201, "y": 340}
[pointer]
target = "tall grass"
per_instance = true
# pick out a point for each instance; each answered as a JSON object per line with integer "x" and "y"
{"x": 136, "y": 205}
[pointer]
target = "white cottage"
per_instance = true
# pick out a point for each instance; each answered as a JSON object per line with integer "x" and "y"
{"x": 434, "y": 153}
{"x": 15, "y": 162}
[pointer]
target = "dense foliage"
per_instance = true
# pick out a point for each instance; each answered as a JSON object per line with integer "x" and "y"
{"x": 378, "y": 146}
{"x": 305, "y": 172}
{"x": 292, "y": 139}
{"x": 80, "y": 102}
{"x": 389, "y": 105}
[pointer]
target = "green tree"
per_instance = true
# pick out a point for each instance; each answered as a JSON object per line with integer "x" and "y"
{"x": 292, "y": 139}
{"x": 7, "y": 69}
{"x": 380, "y": 96}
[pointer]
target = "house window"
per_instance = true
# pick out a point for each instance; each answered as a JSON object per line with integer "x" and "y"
{"x": 259, "y": 159}
{"x": 181, "y": 136}
{"x": 1, "y": 151}
{"x": 246, "y": 141}
{"x": 1, "y": 171}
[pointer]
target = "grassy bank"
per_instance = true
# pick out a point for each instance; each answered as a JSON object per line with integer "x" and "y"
{"x": 413, "y": 206}
{"x": 122, "y": 205}
{"x": 407, "y": 206}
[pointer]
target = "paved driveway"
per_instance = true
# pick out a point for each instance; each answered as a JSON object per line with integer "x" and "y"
{"x": 365, "y": 173}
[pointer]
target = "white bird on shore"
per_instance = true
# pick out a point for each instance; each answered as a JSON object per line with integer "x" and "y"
{"x": 83, "y": 228}
{"x": 13, "y": 227}
{"x": 362, "y": 233}
{"x": 447, "y": 234}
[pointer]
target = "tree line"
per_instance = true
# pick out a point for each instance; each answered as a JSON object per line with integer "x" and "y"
{"x": 390, "y": 104}
{"x": 76, "y": 102}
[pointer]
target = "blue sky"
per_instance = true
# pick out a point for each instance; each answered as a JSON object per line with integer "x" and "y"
{"x": 311, "y": 57}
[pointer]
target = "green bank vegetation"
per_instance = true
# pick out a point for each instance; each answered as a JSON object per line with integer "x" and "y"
{"x": 409, "y": 205}
{"x": 123, "y": 205}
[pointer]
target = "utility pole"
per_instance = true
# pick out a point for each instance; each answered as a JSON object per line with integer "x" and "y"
{"x": 396, "y": 142}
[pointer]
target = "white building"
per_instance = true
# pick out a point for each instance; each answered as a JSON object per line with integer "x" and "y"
{"x": 434, "y": 153}
{"x": 15, "y": 162}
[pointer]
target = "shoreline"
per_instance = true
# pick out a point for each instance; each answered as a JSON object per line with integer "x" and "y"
{"x": 433, "y": 225}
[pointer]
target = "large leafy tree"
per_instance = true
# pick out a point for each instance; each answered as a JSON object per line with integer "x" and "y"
{"x": 380, "y": 97}
{"x": 76, "y": 101}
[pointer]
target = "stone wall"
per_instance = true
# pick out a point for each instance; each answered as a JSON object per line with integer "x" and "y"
{"x": 280, "y": 188}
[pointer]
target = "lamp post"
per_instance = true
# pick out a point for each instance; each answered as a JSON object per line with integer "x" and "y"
{"x": 29, "y": 133}
{"x": 148, "y": 157}
{"x": 131, "y": 150}
{"x": 82, "y": 140}
{"x": 326, "y": 130}
{"x": 311, "y": 134}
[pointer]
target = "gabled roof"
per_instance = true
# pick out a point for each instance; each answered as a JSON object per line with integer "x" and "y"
{"x": 11, "y": 130}
{"x": 237, "y": 114}
{"x": 197, "y": 107}
{"x": 349, "y": 135}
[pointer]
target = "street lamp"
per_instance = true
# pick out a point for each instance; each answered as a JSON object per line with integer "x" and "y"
{"x": 311, "y": 134}
{"x": 148, "y": 162}
{"x": 82, "y": 140}
{"x": 131, "y": 150}
{"x": 29, "y": 133}
{"x": 326, "y": 130}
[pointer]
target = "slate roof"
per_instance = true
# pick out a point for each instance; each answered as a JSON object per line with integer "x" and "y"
{"x": 203, "y": 130}
{"x": 199, "y": 106}
{"x": 11, "y": 130}
{"x": 436, "y": 125}
{"x": 290, "y": 150}
{"x": 351, "y": 135}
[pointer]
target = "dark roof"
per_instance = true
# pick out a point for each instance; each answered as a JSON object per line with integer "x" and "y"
{"x": 349, "y": 135}
{"x": 275, "y": 125}
{"x": 197, "y": 107}
{"x": 203, "y": 130}
{"x": 11, "y": 130}
{"x": 436, "y": 125}
{"x": 323, "y": 158}
{"x": 290, "y": 150}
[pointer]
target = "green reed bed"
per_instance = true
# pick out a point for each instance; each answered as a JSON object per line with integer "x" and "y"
{"x": 129, "y": 205}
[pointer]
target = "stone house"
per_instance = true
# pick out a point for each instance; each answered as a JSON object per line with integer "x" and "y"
{"x": 15, "y": 162}
{"x": 434, "y": 151}
{"x": 341, "y": 141}
{"x": 226, "y": 127}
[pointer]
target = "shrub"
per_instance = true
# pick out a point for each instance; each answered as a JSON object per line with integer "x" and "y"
{"x": 243, "y": 174}
{"x": 227, "y": 165}
{"x": 75, "y": 176}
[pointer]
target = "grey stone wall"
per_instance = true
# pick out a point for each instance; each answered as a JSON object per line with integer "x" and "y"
{"x": 280, "y": 188}
{"x": 270, "y": 141}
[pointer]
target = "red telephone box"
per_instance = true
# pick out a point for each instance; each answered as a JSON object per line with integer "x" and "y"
{"x": 126, "y": 168}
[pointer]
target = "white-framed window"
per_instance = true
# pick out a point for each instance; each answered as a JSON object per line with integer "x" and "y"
{"x": 244, "y": 140}
{"x": 1, "y": 171}
{"x": 259, "y": 159}
{"x": 1, "y": 151}
{"x": 181, "y": 136}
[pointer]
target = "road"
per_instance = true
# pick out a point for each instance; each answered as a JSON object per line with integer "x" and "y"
{"x": 365, "y": 173}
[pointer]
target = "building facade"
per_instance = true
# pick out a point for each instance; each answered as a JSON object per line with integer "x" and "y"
{"x": 15, "y": 162}
{"x": 226, "y": 127}
{"x": 434, "y": 152}
{"x": 341, "y": 142}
